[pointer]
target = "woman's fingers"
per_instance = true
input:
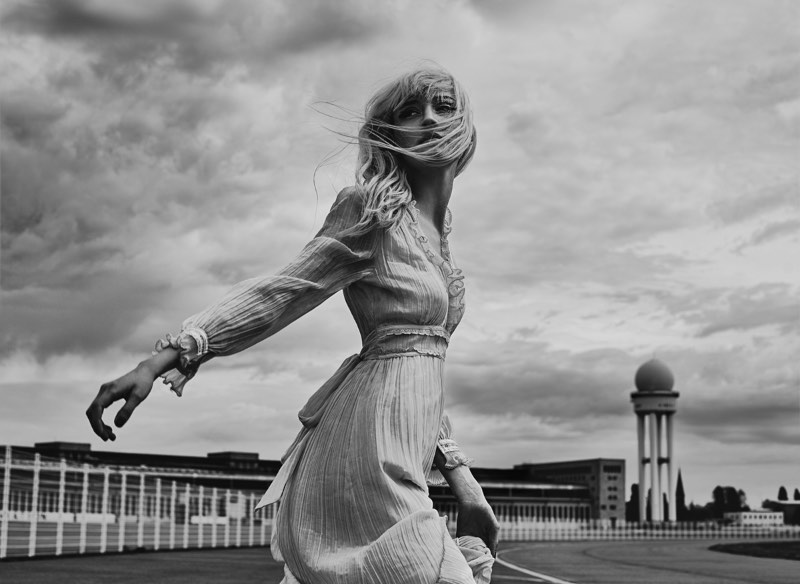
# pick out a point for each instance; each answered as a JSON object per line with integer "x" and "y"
{"x": 132, "y": 387}
{"x": 107, "y": 395}
{"x": 132, "y": 401}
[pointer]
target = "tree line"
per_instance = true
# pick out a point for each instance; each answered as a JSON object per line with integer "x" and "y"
{"x": 724, "y": 499}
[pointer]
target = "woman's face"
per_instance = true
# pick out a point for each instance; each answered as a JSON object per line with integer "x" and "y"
{"x": 419, "y": 116}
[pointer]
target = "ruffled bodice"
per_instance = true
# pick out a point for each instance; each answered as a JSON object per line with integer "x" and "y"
{"x": 390, "y": 277}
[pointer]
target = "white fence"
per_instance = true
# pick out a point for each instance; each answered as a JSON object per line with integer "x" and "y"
{"x": 55, "y": 507}
{"x": 52, "y": 507}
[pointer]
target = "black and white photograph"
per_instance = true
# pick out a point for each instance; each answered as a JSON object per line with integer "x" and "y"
{"x": 400, "y": 291}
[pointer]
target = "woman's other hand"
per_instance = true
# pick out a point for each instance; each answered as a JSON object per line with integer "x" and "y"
{"x": 133, "y": 387}
{"x": 475, "y": 517}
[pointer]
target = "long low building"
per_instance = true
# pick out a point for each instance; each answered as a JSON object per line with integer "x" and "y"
{"x": 553, "y": 492}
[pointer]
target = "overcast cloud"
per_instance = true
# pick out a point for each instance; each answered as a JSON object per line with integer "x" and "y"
{"x": 635, "y": 193}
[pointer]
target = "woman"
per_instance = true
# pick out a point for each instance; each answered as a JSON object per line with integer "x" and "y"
{"x": 353, "y": 485}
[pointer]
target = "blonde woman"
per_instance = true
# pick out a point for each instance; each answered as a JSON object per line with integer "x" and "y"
{"x": 353, "y": 485}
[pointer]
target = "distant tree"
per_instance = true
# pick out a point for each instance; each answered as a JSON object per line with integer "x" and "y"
{"x": 718, "y": 501}
{"x": 680, "y": 500}
{"x": 698, "y": 512}
{"x": 632, "y": 506}
{"x": 782, "y": 494}
{"x": 743, "y": 506}
{"x": 797, "y": 494}
{"x": 726, "y": 500}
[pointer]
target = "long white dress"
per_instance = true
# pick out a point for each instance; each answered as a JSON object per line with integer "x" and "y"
{"x": 353, "y": 486}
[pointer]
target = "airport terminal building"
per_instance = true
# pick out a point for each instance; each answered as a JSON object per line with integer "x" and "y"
{"x": 548, "y": 492}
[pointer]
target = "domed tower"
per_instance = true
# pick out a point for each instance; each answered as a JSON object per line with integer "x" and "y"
{"x": 654, "y": 401}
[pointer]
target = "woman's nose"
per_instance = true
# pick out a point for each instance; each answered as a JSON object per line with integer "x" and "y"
{"x": 429, "y": 117}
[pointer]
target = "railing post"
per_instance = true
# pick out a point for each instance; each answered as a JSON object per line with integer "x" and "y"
{"x": 264, "y": 516}
{"x": 84, "y": 510}
{"x": 200, "y": 517}
{"x": 173, "y": 496}
{"x": 122, "y": 509}
{"x": 227, "y": 517}
{"x": 37, "y": 465}
{"x": 214, "y": 515}
{"x": 62, "y": 490}
{"x": 140, "y": 519}
{"x": 6, "y": 506}
{"x": 157, "y": 514}
{"x": 104, "y": 511}
{"x": 186, "y": 516}
{"x": 252, "y": 517}
{"x": 239, "y": 507}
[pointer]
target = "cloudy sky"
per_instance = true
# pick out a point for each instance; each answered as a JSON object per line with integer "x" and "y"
{"x": 634, "y": 194}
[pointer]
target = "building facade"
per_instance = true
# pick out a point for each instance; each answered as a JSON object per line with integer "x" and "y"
{"x": 754, "y": 518}
{"x": 550, "y": 493}
{"x": 604, "y": 479}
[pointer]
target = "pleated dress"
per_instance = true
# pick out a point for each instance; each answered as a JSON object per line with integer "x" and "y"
{"x": 354, "y": 505}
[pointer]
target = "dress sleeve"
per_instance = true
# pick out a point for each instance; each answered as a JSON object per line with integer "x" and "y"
{"x": 450, "y": 449}
{"x": 258, "y": 308}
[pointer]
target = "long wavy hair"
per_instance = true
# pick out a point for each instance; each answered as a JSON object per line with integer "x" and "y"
{"x": 379, "y": 175}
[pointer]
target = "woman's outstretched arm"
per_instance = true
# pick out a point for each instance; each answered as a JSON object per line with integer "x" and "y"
{"x": 133, "y": 387}
{"x": 250, "y": 312}
{"x": 475, "y": 515}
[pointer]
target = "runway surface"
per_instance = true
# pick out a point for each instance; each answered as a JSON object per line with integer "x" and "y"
{"x": 643, "y": 562}
{"x": 617, "y": 562}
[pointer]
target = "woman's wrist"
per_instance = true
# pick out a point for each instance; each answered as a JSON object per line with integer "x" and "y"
{"x": 463, "y": 484}
{"x": 159, "y": 363}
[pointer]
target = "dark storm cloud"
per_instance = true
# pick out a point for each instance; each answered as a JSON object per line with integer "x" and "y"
{"x": 527, "y": 378}
{"x": 783, "y": 196}
{"x": 777, "y": 229}
{"x": 566, "y": 236}
{"x": 763, "y": 305}
{"x": 716, "y": 310}
{"x": 131, "y": 38}
{"x": 90, "y": 315}
{"x": 762, "y": 417}
{"x": 29, "y": 116}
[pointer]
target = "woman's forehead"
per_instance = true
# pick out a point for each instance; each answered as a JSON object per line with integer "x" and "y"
{"x": 432, "y": 96}
{"x": 431, "y": 92}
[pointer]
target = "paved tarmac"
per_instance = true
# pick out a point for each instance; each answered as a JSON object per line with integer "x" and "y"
{"x": 617, "y": 562}
{"x": 644, "y": 562}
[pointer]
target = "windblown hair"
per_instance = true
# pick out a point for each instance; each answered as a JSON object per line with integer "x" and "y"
{"x": 379, "y": 175}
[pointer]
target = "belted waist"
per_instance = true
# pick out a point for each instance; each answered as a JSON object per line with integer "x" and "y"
{"x": 384, "y": 342}
{"x": 402, "y": 339}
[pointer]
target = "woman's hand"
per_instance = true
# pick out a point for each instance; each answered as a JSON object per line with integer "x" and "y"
{"x": 475, "y": 517}
{"x": 133, "y": 387}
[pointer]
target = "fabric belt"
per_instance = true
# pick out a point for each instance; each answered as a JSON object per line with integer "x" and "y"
{"x": 400, "y": 340}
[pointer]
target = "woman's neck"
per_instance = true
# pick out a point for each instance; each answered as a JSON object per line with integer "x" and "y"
{"x": 431, "y": 188}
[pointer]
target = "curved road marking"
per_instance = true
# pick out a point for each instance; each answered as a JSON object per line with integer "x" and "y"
{"x": 542, "y": 577}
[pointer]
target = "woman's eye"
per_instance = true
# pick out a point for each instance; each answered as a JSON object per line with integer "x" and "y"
{"x": 445, "y": 108}
{"x": 407, "y": 112}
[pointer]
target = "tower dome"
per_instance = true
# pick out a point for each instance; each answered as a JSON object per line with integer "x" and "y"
{"x": 654, "y": 376}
